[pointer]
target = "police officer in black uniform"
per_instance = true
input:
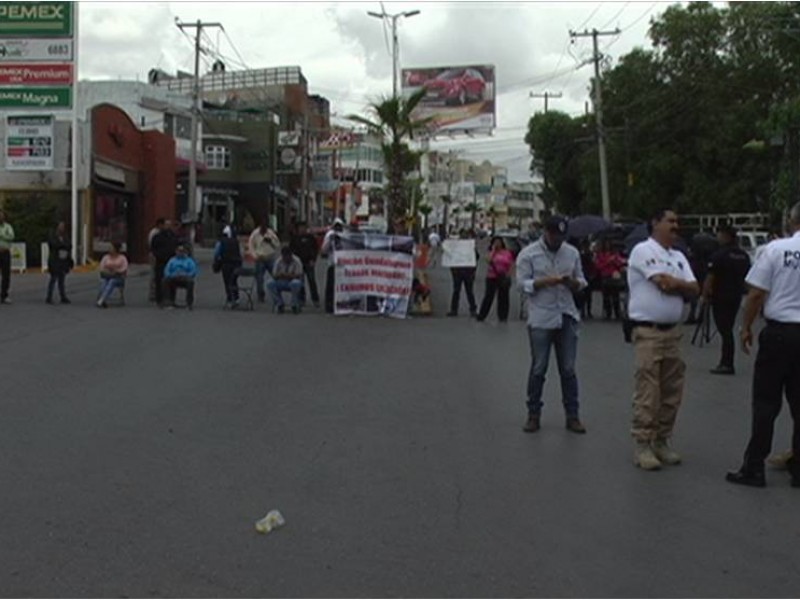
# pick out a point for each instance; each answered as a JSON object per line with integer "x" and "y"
{"x": 774, "y": 286}
{"x": 723, "y": 289}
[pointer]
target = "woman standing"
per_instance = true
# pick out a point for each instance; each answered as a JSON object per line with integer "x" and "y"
{"x": 498, "y": 280}
{"x": 610, "y": 266}
{"x": 59, "y": 262}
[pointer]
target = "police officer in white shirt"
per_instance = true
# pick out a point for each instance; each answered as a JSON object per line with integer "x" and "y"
{"x": 774, "y": 283}
{"x": 659, "y": 281}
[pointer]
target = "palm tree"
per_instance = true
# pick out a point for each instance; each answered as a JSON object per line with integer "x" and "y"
{"x": 393, "y": 122}
{"x": 425, "y": 210}
{"x": 446, "y": 200}
{"x": 473, "y": 207}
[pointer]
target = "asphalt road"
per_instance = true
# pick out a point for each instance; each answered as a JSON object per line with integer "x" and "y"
{"x": 139, "y": 447}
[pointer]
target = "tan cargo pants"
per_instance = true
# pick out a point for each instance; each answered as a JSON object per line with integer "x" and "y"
{"x": 658, "y": 386}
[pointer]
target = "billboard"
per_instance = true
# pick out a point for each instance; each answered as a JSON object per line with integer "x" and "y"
{"x": 457, "y": 98}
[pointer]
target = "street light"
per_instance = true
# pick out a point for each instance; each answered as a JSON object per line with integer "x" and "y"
{"x": 395, "y": 55}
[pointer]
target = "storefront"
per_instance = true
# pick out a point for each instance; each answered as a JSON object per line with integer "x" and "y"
{"x": 133, "y": 182}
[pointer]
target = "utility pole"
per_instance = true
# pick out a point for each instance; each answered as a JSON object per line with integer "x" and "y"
{"x": 598, "y": 109}
{"x": 546, "y": 95}
{"x": 191, "y": 203}
{"x": 395, "y": 46}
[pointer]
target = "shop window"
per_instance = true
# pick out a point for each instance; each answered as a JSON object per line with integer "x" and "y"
{"x": 218, "y": 157}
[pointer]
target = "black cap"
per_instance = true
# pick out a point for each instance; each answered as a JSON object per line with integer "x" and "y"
{"x": 556, "y": 224}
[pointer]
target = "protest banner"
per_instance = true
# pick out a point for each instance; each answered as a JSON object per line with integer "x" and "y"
{"x": 458, "y": 253}
{"x": 373, "y": 274}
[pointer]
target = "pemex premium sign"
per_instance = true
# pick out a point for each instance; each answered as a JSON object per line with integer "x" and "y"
{"x": 36, "y": 18}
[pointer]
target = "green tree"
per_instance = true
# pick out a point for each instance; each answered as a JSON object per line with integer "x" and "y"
{"x": 555, "y": 139}
{"x": 392, "y": 120}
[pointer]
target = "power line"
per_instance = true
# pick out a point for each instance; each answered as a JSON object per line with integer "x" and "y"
{"x": 612, "y": 19}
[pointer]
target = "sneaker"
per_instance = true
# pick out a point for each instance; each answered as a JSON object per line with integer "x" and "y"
{"x": 48, "y": 300}
{"x": 452, "y": 314}
{"x": 644, "y": 458}
{"x": 295, "y": 310}
{"x": 575, "y": 426}
{"x": 665, "y": 454}
{"x": 280, "y": 310}
{"x": 780, "y": 460}
{"x": 532, "y": 425}
{"x": 6, "y": 300}
{"x": 66, "y": 301}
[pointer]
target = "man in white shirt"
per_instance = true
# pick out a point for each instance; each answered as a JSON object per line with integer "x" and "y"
{"x": 263, "y": 246}
{"x": 434, "y": 242}
{"x": 328, "y": 248}
{"x": 774, "y": 282}
{"x": 659, "y": 281}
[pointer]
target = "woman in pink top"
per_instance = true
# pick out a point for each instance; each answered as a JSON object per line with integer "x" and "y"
{"x": 498, "y": 280}
{"x": 113, "y": 271}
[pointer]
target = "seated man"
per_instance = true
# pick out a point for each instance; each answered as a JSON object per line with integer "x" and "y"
{"x": 287, "y": 276}
{"x": 180, "y": 272}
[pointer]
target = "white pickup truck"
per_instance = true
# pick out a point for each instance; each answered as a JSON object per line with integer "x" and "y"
{"x": 752, "y": 242}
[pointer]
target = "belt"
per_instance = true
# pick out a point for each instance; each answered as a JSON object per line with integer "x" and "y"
{"x": 782, "y": 324}
{"x": 651, "y": 325}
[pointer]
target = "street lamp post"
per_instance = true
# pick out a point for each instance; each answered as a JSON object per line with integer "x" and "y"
{"x": 395, "y": 45}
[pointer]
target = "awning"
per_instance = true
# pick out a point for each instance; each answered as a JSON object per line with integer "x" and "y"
{"x": 183, "y": 164}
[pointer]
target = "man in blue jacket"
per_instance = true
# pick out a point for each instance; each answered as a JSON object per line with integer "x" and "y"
{"x": 180, "y": 272}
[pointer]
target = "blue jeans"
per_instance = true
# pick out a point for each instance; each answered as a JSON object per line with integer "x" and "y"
{"x": 565, "y": 341}
{"x": 108, "y": 285}
{"x": 276, "y": 288}
{"x": 262, "y": 266}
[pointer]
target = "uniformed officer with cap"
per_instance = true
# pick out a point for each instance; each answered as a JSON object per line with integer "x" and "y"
{"x": 774, "y": 283}
{"x": 659, "y": 281}
{"x": 723, "y": 290}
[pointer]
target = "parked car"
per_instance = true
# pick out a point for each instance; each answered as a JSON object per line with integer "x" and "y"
{"x": 512, "y": 239}
{"x": 456, "y": 86}
{"x": 752, "y": 241}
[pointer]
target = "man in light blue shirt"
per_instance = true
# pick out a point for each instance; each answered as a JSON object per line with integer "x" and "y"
{"x": 180, "y": 272}
{"x": 548, "y": 273}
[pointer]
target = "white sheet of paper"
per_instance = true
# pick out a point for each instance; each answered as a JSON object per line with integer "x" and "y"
{"x": 458, "y": 253}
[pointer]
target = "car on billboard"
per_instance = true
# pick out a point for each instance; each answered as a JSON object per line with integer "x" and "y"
{"x": 453, "y": 86}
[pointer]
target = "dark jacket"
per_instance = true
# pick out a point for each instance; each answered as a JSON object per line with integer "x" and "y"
{"x": 304, "y": 247}
{"x": 227, "y": 251}
{"x": 163, "y": 246}
{"x": 60, "y": 259}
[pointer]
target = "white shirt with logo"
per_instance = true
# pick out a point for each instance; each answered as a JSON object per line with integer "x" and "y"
{"x": 777, "y": 271}
{"x": 647, "y": 302}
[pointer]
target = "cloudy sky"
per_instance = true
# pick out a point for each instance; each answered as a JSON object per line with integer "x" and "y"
{"x": 345, "y": 55}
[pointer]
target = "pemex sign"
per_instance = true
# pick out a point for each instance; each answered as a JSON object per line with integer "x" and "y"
{"x": 36, "y": 55}
{"x": 36, "y": 18}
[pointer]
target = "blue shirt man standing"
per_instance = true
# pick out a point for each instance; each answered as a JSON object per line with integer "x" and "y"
{"x": 548, "y": 274}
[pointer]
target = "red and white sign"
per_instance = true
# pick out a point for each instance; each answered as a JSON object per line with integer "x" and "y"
{"x": 52, "y": 74}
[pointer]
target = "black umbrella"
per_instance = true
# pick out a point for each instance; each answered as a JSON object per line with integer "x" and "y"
{"x": 704, "y": 245}
{"x": 586, "y": 225}
{"x": 640, "y": 234}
